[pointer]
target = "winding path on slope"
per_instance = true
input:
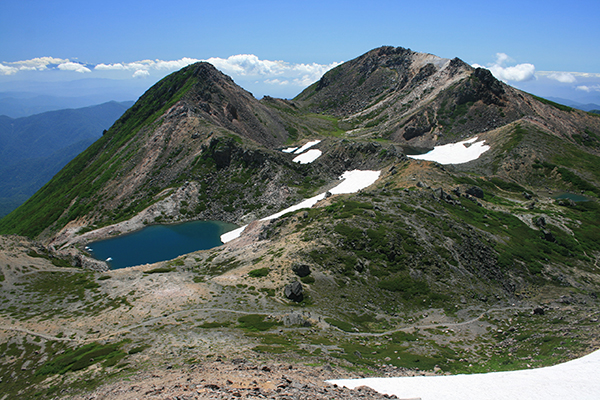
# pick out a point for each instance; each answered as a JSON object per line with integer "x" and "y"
{"x": 449, "y": 325}
{"x": 40, "y": 335}
{"x": 230, "y": 310}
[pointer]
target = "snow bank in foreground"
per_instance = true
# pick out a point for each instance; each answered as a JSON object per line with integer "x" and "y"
{"x": 576, "y": 379}
{"x": 353, "y": 181}
{"x": 307, "y": 146}
{"x": 308, "y": 157}
{"x": 455, "y": 153}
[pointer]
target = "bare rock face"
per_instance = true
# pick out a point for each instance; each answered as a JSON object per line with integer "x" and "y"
{"x": 294, "y": 291}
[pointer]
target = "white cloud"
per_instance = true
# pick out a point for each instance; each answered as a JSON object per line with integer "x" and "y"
{"x": 174, "y": 65}
{"x": 277, "y": 78}
{"x": 240, "y": 66}
{"x": 516, "y": 73}
{"x": 274, "y": 72}
{"x": 40, "y": 63}
{"x": 247, "y": 64}
{"x": 277, "y": 82}
{"x": 145, "y": 67}
{"x": 35, "y": 64}
{"x": 110, "y": 67}
{"x": 575, "y": 75}
{"x": 563, "y": 77}
{"x": 588, "y": 88}
{"x": 502, "y": 58}
{"x": 71, "y": 66}
{"x": 141, "y": 73}
{"x": 6, "y": 70}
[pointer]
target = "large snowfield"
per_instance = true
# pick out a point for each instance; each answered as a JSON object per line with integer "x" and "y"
{"x": 455, "y": 153}
{"x": 577, "y": 379}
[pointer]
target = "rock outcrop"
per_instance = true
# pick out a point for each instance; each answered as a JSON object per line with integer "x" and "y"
{"x": 294, "y": 291}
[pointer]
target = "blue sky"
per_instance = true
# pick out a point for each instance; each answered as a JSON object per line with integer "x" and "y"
{"x": 547, "y": 47}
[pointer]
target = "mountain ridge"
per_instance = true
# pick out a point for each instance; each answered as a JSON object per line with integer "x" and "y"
{"x": 198, "y": 98}
{"x": 469, "y": 102}
{"x": 468, "y": 267}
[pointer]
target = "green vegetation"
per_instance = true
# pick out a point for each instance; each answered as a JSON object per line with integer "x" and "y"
{"x": 308, "y": 279}
{"x": 160, "y": 270}
{"x": 256, "y": 323}
{"x": 572, "y": 178}
{"x": 75, "y": 186}
{"x": 345, "y": 326}
{"x": 398, "y": 355}
{"x": 55, "y": 362}
{"x": 259, "y": 273}
{"x": 553, "y": 104}
{"x": 516, "y": 136}
{"x": 83, "y": 357}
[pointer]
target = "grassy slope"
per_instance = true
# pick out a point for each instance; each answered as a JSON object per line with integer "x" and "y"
{"x": 87, "y": 173}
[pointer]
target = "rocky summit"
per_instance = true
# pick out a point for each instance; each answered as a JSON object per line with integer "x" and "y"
{"x": 481, "y": 255}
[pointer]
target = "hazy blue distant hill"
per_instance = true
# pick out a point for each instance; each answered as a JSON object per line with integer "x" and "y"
{"x": 574, "y": 104}
{"x": 34, "y": 148}
{"x": 21, "y": 104}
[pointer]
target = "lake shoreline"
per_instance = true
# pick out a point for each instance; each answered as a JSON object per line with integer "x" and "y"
{"x": 158, "y": 242}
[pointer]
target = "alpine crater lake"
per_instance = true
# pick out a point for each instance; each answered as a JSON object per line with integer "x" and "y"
{"x": 159, "y": 243}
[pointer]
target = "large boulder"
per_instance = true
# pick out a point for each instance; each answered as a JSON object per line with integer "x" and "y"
{"x": 294, "y": 291}
{"x": 301, "y": 270}
{"x": 475, "y": 191}
{"x": 548, "y": 236}
{"x": 540, "y": 221}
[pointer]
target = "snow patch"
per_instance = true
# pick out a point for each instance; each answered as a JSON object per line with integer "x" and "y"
{"x": 234, "y": 234}
{"x": 289, "y": 149}
{"x": 353, "y": 181}
{"x": 308, "y": 203}
{"x": 576, "y": 379}
{"x": 455, "y": 153}
{"x": 307, "y": 146}
{"x": 308, "y": 157}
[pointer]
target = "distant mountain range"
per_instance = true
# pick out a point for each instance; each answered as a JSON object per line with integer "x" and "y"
{"x": 585, "y": 107}
{"x": 34, "y": 148}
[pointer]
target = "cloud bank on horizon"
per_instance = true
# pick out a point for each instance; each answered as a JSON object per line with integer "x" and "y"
{"x": 244, "y": 68}
{"x": 578, "y": 86}
{"x": 280, "y": 78}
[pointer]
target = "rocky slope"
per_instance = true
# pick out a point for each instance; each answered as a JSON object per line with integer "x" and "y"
{"x": 445, "y": 268}
{"x": 421, "y": 100}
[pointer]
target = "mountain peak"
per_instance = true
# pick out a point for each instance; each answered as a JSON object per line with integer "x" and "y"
{"x": 365, "y": 80}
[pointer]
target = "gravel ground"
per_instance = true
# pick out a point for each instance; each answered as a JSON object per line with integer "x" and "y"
{"x": 233, "y": 379}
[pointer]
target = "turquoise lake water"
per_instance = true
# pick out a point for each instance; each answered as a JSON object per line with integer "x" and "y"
{"x": 159, "y": 243}
{"x": 572, "y": 196}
